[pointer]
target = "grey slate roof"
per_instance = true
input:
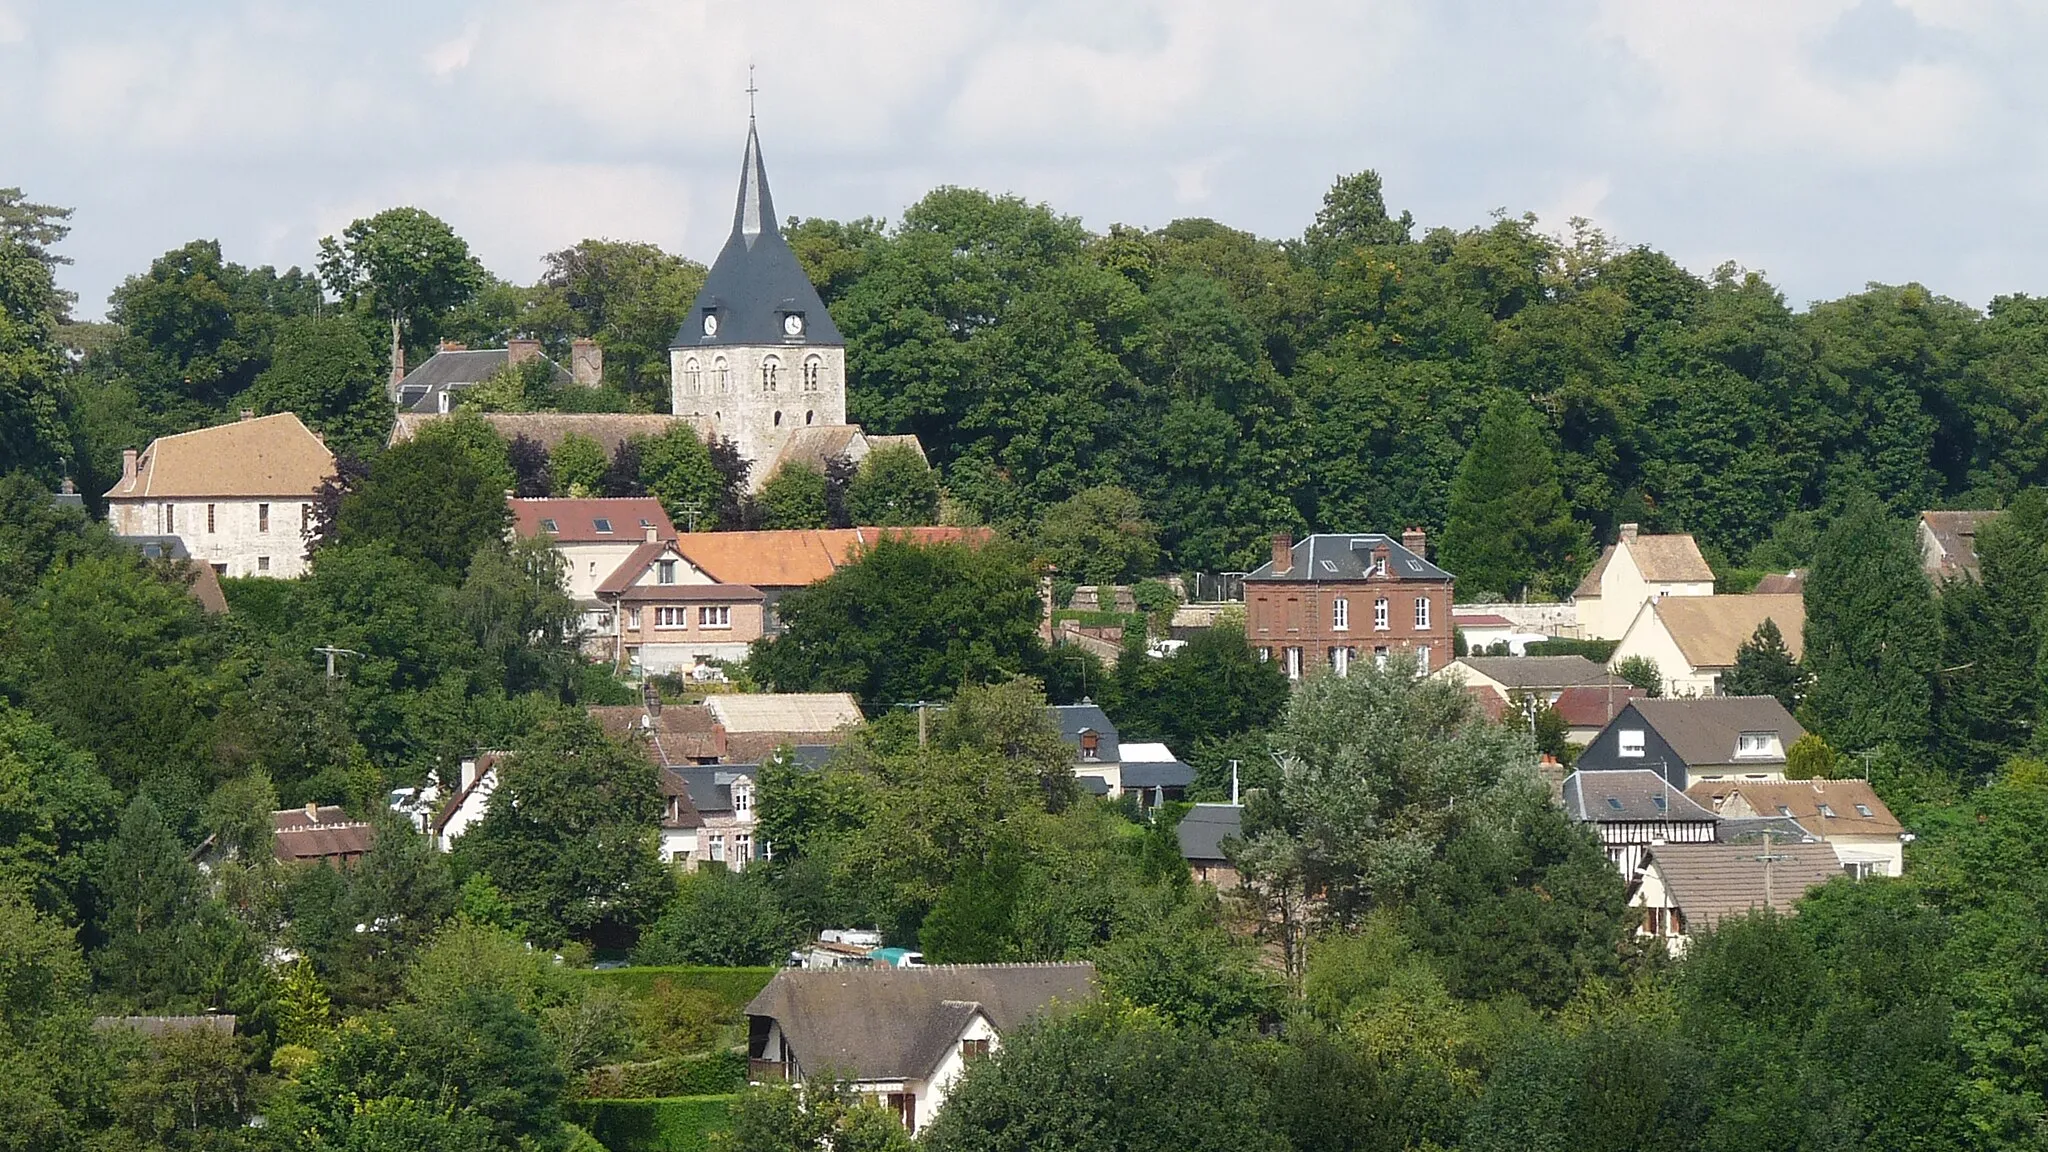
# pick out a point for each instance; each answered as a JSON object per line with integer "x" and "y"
{"x": 1703, "y": 730}
{"x": 1710, "y": 882}
{"x": 419, "y": 391}
{"x": 1631, "y": 795}
{"x": 1531, "y": 672}
{"x": 710, "y": 787}
{"x": 897, "y": 1023}
{"x": 158, "y": 547}
{"x": 1156, "y": 774}
{"x": 756, "y": 280}
{"x": 1330, "y": 556}
{"x": 1073, "y": 719}
{"x": 1205, "y": 827}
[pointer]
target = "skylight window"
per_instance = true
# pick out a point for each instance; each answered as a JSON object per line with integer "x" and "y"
{"x": 1329, "y": 565}
{"x": 547, "y": 525}
{"x": 603, "y": 526}
{"x": 1827, "y": 811}
{"x": 1614, "y": 803}
{"x": 1784, "y": 811}
{"x": 1864, "y": 811}
{"x": 1662, "y": 804}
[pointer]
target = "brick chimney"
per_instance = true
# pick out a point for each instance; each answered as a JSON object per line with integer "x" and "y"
{"x": 128, "y": 456}
{"x": 312, "y": 811}
{"x": 1628, "y": 531}
{"x": 521, "y": 350}
{"x": 586, "y": 362}
{"x": 1415, "y": 540}
{"x": 1283, "y": 553}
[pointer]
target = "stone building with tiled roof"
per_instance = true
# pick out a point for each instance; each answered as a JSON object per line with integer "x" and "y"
{"x": 239, "y": 495}
{"x": 1948, "y": 543}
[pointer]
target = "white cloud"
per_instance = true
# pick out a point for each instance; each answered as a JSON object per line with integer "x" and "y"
{"x": 13, "y": 26}
{"x": 452, "y": 56}
{"x": 1740, "y": 76}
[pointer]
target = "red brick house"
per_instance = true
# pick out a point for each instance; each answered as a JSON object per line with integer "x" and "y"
{"x": 1330, "y": 600}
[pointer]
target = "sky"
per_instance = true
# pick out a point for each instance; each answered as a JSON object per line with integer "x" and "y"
{"x": 1827, "y": 143}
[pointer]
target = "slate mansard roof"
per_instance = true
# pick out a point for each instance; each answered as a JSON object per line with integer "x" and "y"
{"x": 756, "y": 279}
{"x": 1329, "y": 556}
{"x": 1074, "y": 719}
{"x": 898, "y": 1023}
{"x": 1204, "y": 829}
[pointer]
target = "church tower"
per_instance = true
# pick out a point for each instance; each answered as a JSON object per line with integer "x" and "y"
{"x": 758, "y": 356}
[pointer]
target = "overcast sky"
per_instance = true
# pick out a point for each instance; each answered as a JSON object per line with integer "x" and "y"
{"x": 1826, "y": 142}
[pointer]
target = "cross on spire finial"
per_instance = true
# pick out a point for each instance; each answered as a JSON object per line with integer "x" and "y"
{"x": 750, "y": 91}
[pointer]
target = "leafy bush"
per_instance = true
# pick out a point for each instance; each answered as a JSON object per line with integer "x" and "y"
{"x": 732, "y": 986}
{"x": 676, "y": 1125}
{"x": 714, "y": 1074}
{"x": 1598, "y": 651}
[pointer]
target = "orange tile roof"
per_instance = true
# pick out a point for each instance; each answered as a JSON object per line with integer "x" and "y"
{"x": 788, "y": 559}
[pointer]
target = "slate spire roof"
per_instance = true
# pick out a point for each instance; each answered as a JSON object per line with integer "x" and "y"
{"x": 756, "y": 281}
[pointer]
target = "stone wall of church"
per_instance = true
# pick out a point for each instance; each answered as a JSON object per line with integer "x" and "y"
{"x": 732, "y": 388}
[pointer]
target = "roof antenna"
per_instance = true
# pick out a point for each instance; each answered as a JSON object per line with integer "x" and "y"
{"x": 750, "y": 93}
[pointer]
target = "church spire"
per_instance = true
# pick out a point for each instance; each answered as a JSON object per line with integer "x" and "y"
{"x": 756, "y": 210}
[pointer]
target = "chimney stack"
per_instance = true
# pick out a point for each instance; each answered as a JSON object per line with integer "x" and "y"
{"x": 653, "y": 534}
{"x": 128, "y": 465}
{"x": 312, "y": 811}
{"x": 1283, "y": 553}
{"x": 521, "y": 350}
{"x": 1415, "y": 540}
{"x": 1628, "y": 531}
{"x": 454, "y": 346}
{"x": 586, "y": 362}
{"x": 468, "y": 772}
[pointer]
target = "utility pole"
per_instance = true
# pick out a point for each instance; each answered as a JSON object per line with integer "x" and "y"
{"x": 691, "y": 510}
{"x": 331, "y": 652}
{"x": 1233, "y": 784}
{"x": 1768, "y": 858}
{"x": 920, "y": 724}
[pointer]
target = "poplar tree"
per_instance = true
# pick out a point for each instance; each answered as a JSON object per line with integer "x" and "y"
{"x": 1872, "y": 633}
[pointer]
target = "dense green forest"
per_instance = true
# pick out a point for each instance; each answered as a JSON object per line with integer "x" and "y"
{"x": 1236, "y": 385}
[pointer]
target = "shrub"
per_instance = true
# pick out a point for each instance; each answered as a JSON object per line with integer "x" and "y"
{"x": 678, "y": 1125}
{"x": 714, "y": 1074}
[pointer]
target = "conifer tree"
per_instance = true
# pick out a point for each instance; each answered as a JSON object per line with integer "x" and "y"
{"x": 1872, "y": 633}
{"x": 1764, "y": 667}
{"x": 1989, "y": 691}
{"x": 1509, "y": 526}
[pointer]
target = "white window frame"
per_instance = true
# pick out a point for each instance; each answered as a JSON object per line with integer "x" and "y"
{"x": 668, "y": 616}
{"x": 1630, "y": 742}
{"x": 1379, "y": 615}
{"x": 1293, "y": 656}
{"x": 1340, "y": 614}
{"x": 664, "y": 571}
{"x": 714, "y": 616}
{"x": 1422, "y": 611}
{"x": 1422, "y": 660}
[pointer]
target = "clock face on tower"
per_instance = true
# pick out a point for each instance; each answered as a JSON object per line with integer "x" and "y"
{"x": 793, "y": 324}
{"x": 711, "y": 323}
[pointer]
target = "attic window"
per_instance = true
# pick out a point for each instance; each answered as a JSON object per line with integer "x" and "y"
{"x": 1614, "y": 803}
{"x": 1756, "y": 744}
{"x": 1090, "y": 746}
{"x": 603, "y": 526}
{"x": 1329, "y": 565}
{"x": 1827, "y": 812}
{"x": 1631, "y": 742}
{"x": 1784, "y": 811}
{"x": 646, "y": 523}
{"x": 1662, "y": 804}
{"x": 547, "y": 525}
{"x": 1864, "y": 811}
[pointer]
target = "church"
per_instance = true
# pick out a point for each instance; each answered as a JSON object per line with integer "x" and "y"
{"x": 757, "y": 359}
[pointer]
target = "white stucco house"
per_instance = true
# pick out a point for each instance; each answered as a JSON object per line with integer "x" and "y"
{"x": 470, "y": 802}
{"x": 1633, "y": 571}
{"x": 1693, "y": 640}
{"x": 239, "y": 496}
{"x": 900, "y": 1036}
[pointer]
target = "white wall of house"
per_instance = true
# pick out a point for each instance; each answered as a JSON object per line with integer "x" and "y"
{"x": 1874, "y": 855}
{"x": 678, "y": 844}
{"x": 589, "y": 565}
{"x": 1653, "y": 896}
{"x": 240, "y": 537}
{"x": 655, "y": 659}
{"x": 1623, "y": 591}
{"x": 935, "y": 1087}
{"x": 1648, "y": 637}
{"x": 469, "y": 809}
{"x": 1110, "y": 774}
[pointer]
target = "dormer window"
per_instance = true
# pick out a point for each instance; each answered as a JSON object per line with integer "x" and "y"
{"x": 742, "y": 799}
{"x": 602, "y": 526}
{"x": 1757, "y": 744}
{"x": 1091, "y": 746}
